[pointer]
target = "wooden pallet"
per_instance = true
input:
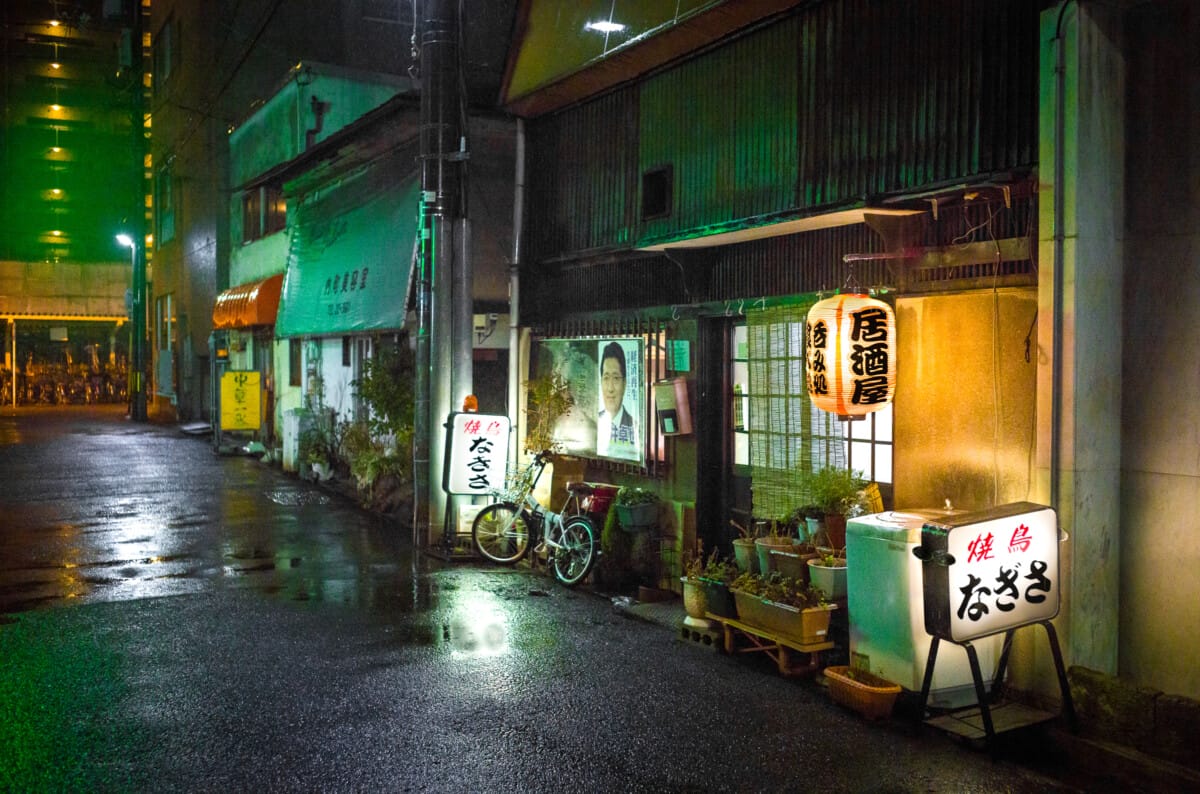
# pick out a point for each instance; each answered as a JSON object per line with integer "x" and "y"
{"x": 743, "y": 638}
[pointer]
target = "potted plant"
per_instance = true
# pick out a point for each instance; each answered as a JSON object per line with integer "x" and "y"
{"x": 809, "y": 521}
{"x": 837, "y": 492}
{"x": 827, "y": 572}
{"x": 868, "y": 694}
{"x": 315, "y": 452}
{"x": 637, "y": 508}
{"x": 782, "y": 607}
{"x": 777, "y": 538}
{"x": 744, "y": 549}
{"x": 716, "y": 576}
{"x": 695, "y": 598}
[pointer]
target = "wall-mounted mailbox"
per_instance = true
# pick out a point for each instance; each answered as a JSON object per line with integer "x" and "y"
{"x": 671, "y": 405}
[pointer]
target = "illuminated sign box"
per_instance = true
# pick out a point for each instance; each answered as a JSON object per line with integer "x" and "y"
{"x": 990, "y": 571}
{"x": 241, "y": 400}
{"x": 476, "y": 453}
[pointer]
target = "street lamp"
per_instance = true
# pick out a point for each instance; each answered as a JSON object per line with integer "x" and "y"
{"x": 137, "y": 310}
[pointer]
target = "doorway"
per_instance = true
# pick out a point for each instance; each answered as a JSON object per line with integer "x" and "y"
{"x": 723, "y": 492}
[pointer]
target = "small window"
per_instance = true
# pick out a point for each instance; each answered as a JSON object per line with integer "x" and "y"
{"x": 295, "y": 369}
{"x": 164, "y": 204}
{"x": 264, "y": 212}
{"x": 166, "y": 51}
{"x": 656, "y": 193}
{"x": 274, "y": 210}
{"x": 347, "y": 348}
{"x": 251, "y": 215}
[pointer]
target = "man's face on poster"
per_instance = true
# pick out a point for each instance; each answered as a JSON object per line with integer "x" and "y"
{"x": 612, "y": 386}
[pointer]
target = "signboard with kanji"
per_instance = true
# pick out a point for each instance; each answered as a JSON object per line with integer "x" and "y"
{"x": 241, "y": 400}
{"x": 990, "y": 571}
{"x": 476, "y": 453}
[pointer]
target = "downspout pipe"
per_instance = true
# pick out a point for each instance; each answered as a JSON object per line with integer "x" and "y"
{"x": 1056, "y": 365}
{"x": 514, "y": 299}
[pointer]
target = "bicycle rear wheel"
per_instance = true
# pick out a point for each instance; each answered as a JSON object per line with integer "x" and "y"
{"x": 500, "y": 534}
{"x": 577, "y": 550}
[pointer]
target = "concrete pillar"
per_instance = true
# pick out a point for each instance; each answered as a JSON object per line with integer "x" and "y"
{"x": 1080, "y": 260}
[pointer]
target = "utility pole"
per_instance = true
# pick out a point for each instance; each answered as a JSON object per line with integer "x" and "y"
{"x": 443, "y": 276}
{"x": 137, "y": 224}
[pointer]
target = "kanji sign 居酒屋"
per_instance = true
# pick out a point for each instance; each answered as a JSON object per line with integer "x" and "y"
{"x": 850, "y": 354}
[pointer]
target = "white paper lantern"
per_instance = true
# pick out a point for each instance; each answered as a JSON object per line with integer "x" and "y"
{"x": 850, "y": 354}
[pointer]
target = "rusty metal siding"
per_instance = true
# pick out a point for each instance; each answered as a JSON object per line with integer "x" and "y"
{"x": 726, "y": 123}
{"x": 581, "y": 179}
{"x": 899, "y": 96}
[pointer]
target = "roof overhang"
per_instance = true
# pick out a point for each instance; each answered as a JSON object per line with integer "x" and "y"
{"x": 719, "y": 237}
{"x": 701, "y": 23}
{"x": 245, "y": 305}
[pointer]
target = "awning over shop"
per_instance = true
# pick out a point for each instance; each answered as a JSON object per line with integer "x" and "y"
{"x": 245, "y": 305}
{"x": 350, "y": 256}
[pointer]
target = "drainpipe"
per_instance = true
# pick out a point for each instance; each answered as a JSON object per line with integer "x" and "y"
{"x": 514, "y": 296}
{"x": 1056, "y": 366}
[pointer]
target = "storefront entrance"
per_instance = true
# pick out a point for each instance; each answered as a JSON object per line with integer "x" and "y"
{"x": 723, "y": 486}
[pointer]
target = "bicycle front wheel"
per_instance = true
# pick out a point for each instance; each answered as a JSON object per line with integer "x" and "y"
{"x": 500, "y": 534}
{"x": 577, "y": 550}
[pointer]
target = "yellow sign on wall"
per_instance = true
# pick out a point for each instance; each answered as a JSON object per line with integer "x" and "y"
{"x": 241, "y": 400}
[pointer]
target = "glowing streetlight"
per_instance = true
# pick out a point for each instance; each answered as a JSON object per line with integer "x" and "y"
{"x": 137, "y": 310}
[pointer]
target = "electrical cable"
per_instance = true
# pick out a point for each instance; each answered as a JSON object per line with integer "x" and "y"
{"x": 179, "y": 143}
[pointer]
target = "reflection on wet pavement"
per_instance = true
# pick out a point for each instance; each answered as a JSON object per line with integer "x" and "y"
{"x": 109, "y": 511}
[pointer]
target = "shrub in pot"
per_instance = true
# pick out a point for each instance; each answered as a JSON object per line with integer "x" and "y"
{"x": 637, "y": 508}
{"x": 783, "y": 607}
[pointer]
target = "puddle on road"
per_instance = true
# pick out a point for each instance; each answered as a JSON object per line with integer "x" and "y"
{"x": 292, "y": 498}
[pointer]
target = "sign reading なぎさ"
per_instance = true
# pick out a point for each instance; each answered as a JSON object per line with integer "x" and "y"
{"x": 990, "y": 571}
{"x": 241, "y": 400}
{"x": 476, "y": 453}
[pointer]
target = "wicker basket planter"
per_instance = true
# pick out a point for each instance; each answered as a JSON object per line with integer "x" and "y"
{"x": 801, "y": 626}
{"x": 866, "y": 693}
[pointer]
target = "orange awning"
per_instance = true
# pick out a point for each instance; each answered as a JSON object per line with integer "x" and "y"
{"x": 255, "y": 303}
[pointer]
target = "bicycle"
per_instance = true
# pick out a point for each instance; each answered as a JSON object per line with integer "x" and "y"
{"x": 504, "y": 530}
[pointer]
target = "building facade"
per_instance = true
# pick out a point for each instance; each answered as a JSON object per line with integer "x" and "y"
{"x": 702, "y": 174}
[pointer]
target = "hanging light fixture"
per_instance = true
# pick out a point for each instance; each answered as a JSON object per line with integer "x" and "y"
{"x": 850, "y": 354}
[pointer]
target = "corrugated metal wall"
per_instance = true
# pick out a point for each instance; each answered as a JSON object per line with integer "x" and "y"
{"x": 726, "y": 123}
{"x": 582, "y": 177}
{"x": 842, "y": 103}
{"x": 899, "y": 95}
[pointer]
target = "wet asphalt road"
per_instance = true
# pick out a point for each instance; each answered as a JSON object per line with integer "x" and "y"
{"x": 171, "y": 620}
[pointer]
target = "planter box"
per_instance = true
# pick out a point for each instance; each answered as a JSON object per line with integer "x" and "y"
{"x": 720, "y": 599}
{"x": 803, "y": 627}
{"x": 866, "y": 693}
{"x": 792, "y": 564}
{"x": 635, "y": 518}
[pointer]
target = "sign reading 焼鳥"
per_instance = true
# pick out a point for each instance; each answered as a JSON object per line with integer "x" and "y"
{"x": 990, "y": 571}
{"x": 476, "y": 453}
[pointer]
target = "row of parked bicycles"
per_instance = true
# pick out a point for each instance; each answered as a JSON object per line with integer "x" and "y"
{"x": 56, "y": 384}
